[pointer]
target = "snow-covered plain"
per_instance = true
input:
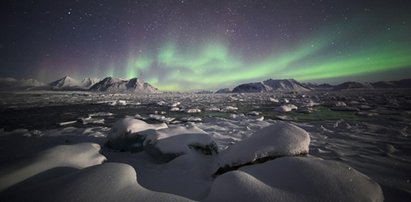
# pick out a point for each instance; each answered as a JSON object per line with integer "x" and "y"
{"x": 65, "y": 146}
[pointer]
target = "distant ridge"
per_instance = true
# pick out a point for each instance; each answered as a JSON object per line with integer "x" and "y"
{"x": 271, "y": 85}
{"x": 404, "y": 83}
{"x": 10, "y": 84}
{"x": 353, "y": 85}
{"x": 110, "y": 84}
{"x": 136, "y": 85}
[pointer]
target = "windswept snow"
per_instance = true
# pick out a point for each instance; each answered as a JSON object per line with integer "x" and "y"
{"x": 168, "y": 143}
{"x": 105, "y": 182}
{"x": 68, "y": 156}
{"x": 295, "y": 179}
{"x": 277, "y": 140}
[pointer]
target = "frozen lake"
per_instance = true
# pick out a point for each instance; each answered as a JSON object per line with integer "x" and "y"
{"x": 367, "y": 130}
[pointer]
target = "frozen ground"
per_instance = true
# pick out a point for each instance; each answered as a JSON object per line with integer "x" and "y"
{"x": 368, "y": 131}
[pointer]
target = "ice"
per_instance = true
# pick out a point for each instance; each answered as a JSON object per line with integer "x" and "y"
{"x": 213, "y": 109}
{"x": 175, "y": 109}
{"x": 254, "y": 113}
{"x": 274, "y": 100}
{"x": 118, "y": 103}
{"x": 377, "y": 146}
{"x": 90, "y": 120}
{"x": 286, "y": 108}
{"x": 230, "y": 108}
{"x": 191, "y": 119}
{"x": 277, "y": 140}
{"x": 193, "y": 110}
{"x": 160, "y": 118}
{"x": 99, "y": 114}
{"x": 295, "y": 179}
{"x": 67, "y": 123}
{"x": 175, "y": 104}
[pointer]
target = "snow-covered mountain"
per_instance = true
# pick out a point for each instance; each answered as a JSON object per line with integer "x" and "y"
{"x": 22, "y": 84}
{"x": 110, "y": 84}
{"x": 315, "y": 86}
{"x": 404, "y": 83}
{"x": 88, "y": 82}
{"x": 65, "y": 83}
{"x": 353, "y": 85}
{"x": 271, "y": 85}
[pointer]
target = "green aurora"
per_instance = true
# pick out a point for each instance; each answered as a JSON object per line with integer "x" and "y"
{"x": 214, "y": 64}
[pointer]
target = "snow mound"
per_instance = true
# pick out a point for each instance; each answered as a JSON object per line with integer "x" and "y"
{"x": 193, "y": 110}
{"x": 106, "y": 182}
{"x": 125, "y": 134}
{"x": 295, "y": 179}
{"x": 286, "y": 108}
{"x": 277, "y": 140}
{"x": 168, "y": 143}
{"x": 70, "y": 156}
{"x": 128, "y": 127}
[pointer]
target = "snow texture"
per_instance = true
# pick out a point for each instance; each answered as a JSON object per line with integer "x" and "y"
{"x": 168, "y": 143}
{"x": 277, "y": 140}
{"x": 70, "y": 156}
{"x": 129, "y": 127}
{"x": 295, "y": 179}
{"x": 106, "y": 182}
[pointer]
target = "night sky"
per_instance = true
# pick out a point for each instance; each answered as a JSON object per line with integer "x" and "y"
{"x": 207, "y": 44}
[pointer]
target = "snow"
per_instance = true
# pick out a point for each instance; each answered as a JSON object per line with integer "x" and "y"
{"x": 175, "y": 109}
{"x": 286, "y": 108}
{"x": 65, "y": 82}
{"x": 134, "y": 85}
{"x": 106, "y": 182}
{"x": 271, "y": 85}
{"x": 254, "y": 113}
{"x": 160, "y": 118}
{"x": 128, "y": 127}
{"x": 191, "y": 119}
{"x": 230, "y": 108}
{"x": 193, "y": 110}
{"x": 71, "y": 156}
{"x": 168, "y": 143}
{"x": 274, "y": 100}
{"x": 126, "y": 134}
{"x": 295, "y": 179}
{"x": 118, "y": 103}
{"x": 374, "y": 145}
{"x": 277, "y": 140}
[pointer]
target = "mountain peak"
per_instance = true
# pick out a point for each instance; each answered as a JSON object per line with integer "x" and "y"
{"x": 65, "y": 82}
{"x": 271, "y": 85}
{"x": 110, "y": 84}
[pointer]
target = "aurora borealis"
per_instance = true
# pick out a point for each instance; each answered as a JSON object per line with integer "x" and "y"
{"x": 192, "y": 44}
